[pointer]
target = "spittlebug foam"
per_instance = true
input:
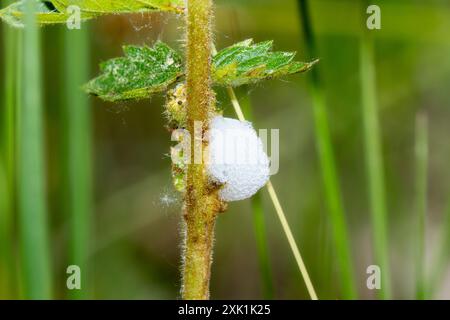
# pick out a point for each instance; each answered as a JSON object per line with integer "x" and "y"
{"x": 236, "y": 158}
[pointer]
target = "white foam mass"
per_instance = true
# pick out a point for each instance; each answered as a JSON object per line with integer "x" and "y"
{"x": 236, "y": 158}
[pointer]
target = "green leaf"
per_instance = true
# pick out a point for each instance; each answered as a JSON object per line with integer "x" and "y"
{"x": 245, "y": 63}
{"x": 141, "y": 72}
{"x": 55, "y": 11}
{"x": 46, "y": 14}
{"x": 144, "y": 71}
{"x": 121, "y": 6}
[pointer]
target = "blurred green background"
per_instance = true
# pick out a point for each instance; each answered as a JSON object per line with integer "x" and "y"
{"x": 135, "y": 250}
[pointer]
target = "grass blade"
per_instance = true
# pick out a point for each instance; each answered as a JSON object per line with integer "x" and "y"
{"x": 374, "y": 160}
{"x": 328, "y": 166}
{"x": 31, "y": 169}
{"x": 78, "y": 148}
{"x": 7, "y": 169}
{"x": 421, "y": 152}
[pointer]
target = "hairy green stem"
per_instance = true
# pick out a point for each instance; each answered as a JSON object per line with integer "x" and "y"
{"x": 78, "y": 156}
{"x": 201, "y": 200}
{"x": 328, "y": 166}
{"x": 31, "y": 169}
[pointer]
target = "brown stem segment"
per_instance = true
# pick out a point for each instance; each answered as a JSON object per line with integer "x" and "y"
{"x": 201, "y": 200}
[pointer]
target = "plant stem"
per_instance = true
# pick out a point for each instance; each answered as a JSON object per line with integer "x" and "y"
{"x": 328, "y": 165}
{"x": 421, "y": 151}
{"x": 291, "y": 240}
{"x": 374, "y": 160}
{"x": 201, "y": 200}
{"x": 31, "y": 169}
{"x": 7, "y": 174}
{"x": 280, "y": 212}
{"x": 79, "y": 171}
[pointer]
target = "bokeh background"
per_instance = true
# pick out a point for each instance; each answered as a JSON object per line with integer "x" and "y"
{"x": 136, "y": 221}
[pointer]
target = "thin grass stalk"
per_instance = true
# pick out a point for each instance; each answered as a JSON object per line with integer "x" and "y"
{"x": 374, "y": 159}
{"x": 35, "y": 253}
{"x": 78, "y": 147}
{"x": 280, "y": 212}
{"x": 7, "y": 161}
{"x": 421, "y": 154}
{"x": 259, "y": 224}
{"x": 294, "y": 248}
{"x": 328, "y": 166}
{"x": 19, "y": 106}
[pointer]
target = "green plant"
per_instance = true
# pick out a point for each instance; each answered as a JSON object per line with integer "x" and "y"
{"x": 78, "y": 153}
{"x": 31, "y": 169}
{"x": 327, "y": 163}
{"x": 374, "y": 159}
{"x": 147, "y": 70}
{"x": 7, "y": 165}
{"x": 279, "y": 210}
{"x": 421, "y": 151}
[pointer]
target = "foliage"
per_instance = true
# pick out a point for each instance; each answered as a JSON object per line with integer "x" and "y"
{"x": 56, "y": 11}
{"x": 140, "y": 73}
{"x": 246, "y": 62}
{"x": 144, "y": 71}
